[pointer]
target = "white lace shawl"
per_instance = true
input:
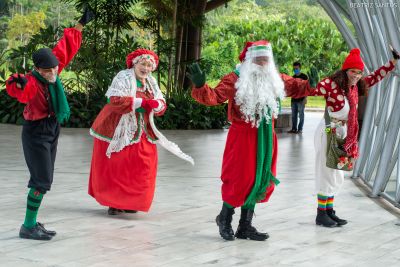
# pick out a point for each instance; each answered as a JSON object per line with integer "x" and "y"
{"x": 124, "y": 84}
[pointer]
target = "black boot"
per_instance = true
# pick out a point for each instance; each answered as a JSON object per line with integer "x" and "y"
{"x": 332, "y": 215}
{"x": 246, "y": 230}
{"x": 324, "y": 220}
{"x": 130, "y": 211}
{"x": 113, "y": 211}
{"x": 224, "y": 220}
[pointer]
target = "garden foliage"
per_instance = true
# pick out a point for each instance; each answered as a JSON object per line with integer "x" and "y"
{"x": 117, "y": 31}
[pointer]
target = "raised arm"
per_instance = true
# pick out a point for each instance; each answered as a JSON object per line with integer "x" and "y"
{"x": 67, "y": 47}
{"x": 379, "y": 74}
{"x": 69, "y": 44}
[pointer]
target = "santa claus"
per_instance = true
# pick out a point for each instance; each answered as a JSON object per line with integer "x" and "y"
{"x": 253, "y": 92}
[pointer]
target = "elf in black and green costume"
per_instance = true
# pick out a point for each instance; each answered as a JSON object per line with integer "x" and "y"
{"x": 46, "y": 107}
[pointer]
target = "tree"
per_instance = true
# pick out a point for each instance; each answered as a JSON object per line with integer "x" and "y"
{"x": 22, "y": 27}
{"x": 185, "y": 20}
{"x": 4, "y": 15}
{"x": 4, "y": 8}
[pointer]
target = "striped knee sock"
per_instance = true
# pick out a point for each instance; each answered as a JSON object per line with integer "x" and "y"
{"x": 34, "y": 200}
{"x": 329, "y": 203}
{"x": 322, "y": 201}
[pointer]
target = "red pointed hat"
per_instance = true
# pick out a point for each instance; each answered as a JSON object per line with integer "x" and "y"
{"x": 255, "y": 49}
{"x": 139, "y": 54}
{"x": 353, "y": 60}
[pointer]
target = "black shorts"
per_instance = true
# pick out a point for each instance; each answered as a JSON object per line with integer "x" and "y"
{"x": 39, "y": 141}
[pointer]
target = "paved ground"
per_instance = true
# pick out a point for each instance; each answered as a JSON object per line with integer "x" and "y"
{"x": 180, "y": 230}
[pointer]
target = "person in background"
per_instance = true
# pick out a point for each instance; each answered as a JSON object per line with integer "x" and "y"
{"x": 298, "y": 104}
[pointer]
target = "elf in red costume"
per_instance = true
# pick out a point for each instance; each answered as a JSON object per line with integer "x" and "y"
{"x": 124, "y": 161}
{"x": 341, "y": 91}
{"x": 253, "y": 92}
{"x": 46, "y": 107}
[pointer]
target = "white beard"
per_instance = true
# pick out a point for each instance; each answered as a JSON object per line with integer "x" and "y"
{"x": 52, "y": 79}
{"x": 258, "y": 88}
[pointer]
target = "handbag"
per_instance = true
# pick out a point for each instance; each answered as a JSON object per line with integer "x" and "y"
{"x": 336, "y": 157}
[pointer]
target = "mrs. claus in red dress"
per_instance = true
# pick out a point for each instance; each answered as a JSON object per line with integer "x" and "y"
{"x": 124, "y": 162}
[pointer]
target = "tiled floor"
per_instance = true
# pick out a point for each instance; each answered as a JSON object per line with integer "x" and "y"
{"x": 180, "y": 230}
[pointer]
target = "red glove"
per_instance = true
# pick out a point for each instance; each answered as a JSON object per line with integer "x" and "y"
{"x": 149, "y": 104}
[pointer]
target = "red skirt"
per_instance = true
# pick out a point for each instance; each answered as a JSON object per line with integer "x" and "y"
{"x": 127, "y": 179}
{"x": 240, "y": 162}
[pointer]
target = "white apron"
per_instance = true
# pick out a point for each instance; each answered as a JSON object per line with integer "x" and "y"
{"x": 328, "y": 181}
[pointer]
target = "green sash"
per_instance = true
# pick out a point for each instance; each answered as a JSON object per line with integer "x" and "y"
{"x": 264, "y": 161}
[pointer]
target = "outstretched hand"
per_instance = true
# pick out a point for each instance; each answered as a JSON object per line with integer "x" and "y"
{"x": 19, "y": 79}
{"x": 196, "y": 75}
{"x": 88, "y": 15}
{"x": 313, "y": 77}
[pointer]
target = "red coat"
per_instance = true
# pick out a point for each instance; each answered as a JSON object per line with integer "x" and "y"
{"x": 108, "y": 118}
{"x": 239, "y": 161}
{"x": 127, "y": 179}
{"x": 34, "y": 92}
{"x": 335, "y": 96}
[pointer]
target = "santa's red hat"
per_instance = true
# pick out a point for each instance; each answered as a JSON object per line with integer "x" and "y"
{"x": 256, "y": 49}
{"x": 353, "y": 60}
{"x": 140, "y": 54}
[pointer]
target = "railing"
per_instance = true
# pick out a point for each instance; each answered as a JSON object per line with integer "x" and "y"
{"x": 376, "y": 25}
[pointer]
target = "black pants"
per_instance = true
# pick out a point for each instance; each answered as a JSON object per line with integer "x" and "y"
{"x": 39, "y": 141}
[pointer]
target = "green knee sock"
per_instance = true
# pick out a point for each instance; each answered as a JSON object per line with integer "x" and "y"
{"x": 34, "y": 200}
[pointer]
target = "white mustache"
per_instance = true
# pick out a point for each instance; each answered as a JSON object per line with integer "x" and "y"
{"x": 51, "y": 79}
